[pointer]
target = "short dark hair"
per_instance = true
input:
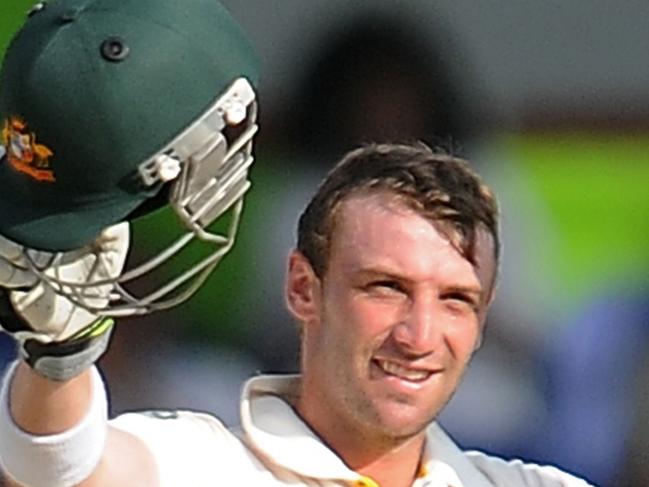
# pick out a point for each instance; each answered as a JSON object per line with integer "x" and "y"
{"x": 435, "y": 184}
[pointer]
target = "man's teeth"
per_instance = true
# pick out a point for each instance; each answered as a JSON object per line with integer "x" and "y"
{"x": 396, "y": 370}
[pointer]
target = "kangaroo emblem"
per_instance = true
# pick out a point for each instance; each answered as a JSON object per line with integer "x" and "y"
{"x": 24, "y": 154}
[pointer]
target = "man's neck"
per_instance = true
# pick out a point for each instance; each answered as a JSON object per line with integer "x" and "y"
{"x": 390, "y": 463}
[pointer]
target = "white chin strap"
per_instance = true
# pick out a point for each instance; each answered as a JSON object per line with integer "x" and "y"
{"x": 208, "y": 172}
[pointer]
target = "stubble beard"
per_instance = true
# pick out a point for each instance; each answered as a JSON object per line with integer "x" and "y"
{"x": 375, "y": 416}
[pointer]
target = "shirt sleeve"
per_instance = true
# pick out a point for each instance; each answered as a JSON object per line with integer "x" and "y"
{"x": 188, "y": 448}
{"x": 515, "y": 473}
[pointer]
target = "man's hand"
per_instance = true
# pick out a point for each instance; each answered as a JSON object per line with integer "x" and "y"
{"x": 48, "y": 300}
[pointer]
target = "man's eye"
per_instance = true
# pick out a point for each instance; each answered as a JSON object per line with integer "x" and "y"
{"x": 386, "y": 286}
{"x": 460, "y": 301}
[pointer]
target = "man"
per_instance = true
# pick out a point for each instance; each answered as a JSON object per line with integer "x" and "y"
{"x": 390, "y": 283}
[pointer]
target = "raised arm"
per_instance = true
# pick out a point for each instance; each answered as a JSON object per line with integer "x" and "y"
{"x": 42, "y": 408}
{"x": 108, "y": 111}
{"x": 53, "y": 411}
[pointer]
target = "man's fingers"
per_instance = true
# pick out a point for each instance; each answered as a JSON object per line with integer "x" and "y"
{"x": 10, "y": 250}
{"x": 14, "y": 266}
{"x": 53, "y": 313}
{"x": 13, "y": 277}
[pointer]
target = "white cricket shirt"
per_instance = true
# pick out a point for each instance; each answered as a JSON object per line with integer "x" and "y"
{"x": 276, "y": 448}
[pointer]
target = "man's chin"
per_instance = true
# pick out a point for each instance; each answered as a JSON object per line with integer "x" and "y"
{"x": 402, "y": 421}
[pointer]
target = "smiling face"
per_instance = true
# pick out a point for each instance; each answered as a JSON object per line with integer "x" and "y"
{"x": 389, "y": 330}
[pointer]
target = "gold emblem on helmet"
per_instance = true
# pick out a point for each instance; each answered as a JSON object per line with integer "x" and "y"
{"x": 24, "y": 154}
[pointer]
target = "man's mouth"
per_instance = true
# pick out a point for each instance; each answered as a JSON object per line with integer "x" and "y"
{"x": 402, "y": 372}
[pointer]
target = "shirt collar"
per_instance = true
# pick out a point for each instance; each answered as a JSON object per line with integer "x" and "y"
{"x": 278, "y": 433}
{"x": 275, "y": 431}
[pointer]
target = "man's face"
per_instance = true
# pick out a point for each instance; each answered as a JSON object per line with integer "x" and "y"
{"x": 395, "y": 321}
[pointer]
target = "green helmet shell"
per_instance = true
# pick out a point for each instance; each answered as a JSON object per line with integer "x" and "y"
{"x": 90, "y": 89}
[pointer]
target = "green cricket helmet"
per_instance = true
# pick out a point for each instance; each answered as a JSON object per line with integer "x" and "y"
{"x": 108, "y": 107}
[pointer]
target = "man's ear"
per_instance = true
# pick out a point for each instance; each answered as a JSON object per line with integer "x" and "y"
{"x": 478, "y": 342}
{"x": 483, "y": 317}
{"x": 302, "y": 288}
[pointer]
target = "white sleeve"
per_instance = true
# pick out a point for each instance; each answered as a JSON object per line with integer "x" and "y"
{"x": 516, "y": 473}
{"x": 189, "y": 448}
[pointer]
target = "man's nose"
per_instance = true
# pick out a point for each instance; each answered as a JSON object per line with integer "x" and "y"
{"x": 420, "y": 331}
